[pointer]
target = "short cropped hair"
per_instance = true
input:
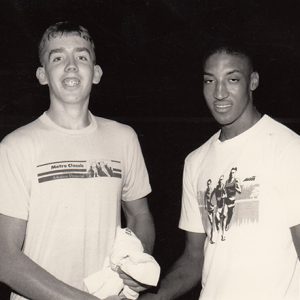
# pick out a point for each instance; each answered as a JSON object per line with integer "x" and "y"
{"x": 237, "y": 49}
{"x": 65, "y": 28}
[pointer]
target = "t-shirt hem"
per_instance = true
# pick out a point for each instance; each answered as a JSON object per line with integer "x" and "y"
{"x": 13, "y": 214}
{"x": 146, "y": 193}
{"x": 190, "y": 229}
{"x": 294, "y": 223}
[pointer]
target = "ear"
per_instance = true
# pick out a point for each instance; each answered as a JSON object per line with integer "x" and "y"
{"x": 41, "y": 76}
{"x": 97, "y": 74}
{"x": 254, "y": 81}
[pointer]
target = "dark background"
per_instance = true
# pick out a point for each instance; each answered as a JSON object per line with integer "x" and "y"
{"x": 149, "y": 51}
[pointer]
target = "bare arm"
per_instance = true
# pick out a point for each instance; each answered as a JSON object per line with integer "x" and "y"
{"x": 185, "y": 273}
{"x": 140, "y": 221}
{"x": 238, "y": 186}
{"x": 25, "y": 276}
{"x": 295, "y": 230}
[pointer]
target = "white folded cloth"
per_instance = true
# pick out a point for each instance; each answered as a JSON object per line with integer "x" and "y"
{"x": 127, "y": 254}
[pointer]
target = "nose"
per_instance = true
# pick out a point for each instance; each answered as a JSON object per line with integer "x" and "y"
{"x": 71, "y": 65}
{"x": 221, "y": 91}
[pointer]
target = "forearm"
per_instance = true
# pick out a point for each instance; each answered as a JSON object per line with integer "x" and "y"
{"x": 140, "y": 221}
{"x": 186, "y": 271}
{"x": 143, "y": 227}
{"x": 29, "y": 279}
{"x": 295, "y": 230}
{"x": 183, "y": 276}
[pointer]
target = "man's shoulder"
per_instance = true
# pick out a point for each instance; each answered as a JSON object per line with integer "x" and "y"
{"x": 200, "y": 152}
{"x": 22, "y": 133}
{"x": 280, "y": 130}
{"x": 113, "y": 126}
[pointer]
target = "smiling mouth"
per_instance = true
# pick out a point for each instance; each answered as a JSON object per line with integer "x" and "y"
{"x": 222, "y": 107}
{"x": 71, "y": 82}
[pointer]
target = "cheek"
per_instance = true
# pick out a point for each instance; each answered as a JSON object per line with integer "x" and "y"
{"x": 208, "y": 98}
{"x": 239, "y": 91}
{"x": 207, "y": 92}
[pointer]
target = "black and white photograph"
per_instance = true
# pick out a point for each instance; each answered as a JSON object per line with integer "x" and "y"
{"x": 149, "y": 149}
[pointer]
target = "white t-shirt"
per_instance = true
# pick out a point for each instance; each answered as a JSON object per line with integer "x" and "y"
{"x": 68, "y": 186}
{"x": 254, "y": 257}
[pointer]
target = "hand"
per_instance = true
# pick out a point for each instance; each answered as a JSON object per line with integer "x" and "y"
{"x": 131, "y": 283}
{"x": 149, "y": 296}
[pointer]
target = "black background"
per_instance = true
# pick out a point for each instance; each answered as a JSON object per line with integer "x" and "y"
{"x": 149, "y": 52}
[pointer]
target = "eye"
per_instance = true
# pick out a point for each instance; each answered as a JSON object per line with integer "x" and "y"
{"x": 207, "y": 81}
{"x": 56, "y": 59}
{"x": 234, "y": 80}
{"x": 82, "y": 58}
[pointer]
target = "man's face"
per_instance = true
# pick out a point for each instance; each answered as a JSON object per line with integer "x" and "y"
{"x": 233, "y": 171}
{"x": 68, "y": 69}
{"x": 228, "y": 85}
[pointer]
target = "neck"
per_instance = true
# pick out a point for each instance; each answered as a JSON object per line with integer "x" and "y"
{"x": 69, "y": 118}
{"x": 232, "y": 130}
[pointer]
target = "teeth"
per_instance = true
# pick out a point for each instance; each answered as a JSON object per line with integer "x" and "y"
{"x": 223, "y": 106}
{"x": 71, "y": 82}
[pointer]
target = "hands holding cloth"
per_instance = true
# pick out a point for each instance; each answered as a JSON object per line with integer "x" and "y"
{"x": 127, "y": 257}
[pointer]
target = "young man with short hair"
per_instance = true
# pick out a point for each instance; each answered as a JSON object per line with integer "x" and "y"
{"x": 57, "y": 220}
{"x": 258, "y": 259}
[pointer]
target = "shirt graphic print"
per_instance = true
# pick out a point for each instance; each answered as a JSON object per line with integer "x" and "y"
{"x": 78, "y": 169}
{"x": 228, "y": 202}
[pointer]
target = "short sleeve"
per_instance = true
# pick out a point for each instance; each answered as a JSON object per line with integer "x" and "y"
{"x": 136, "y": 183}
{"x": 289, "y": 181}
{"x": 190, "y": 217}
{"x": 14, "y": 199}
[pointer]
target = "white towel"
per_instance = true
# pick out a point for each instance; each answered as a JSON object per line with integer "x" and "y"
{"x": 127, "y": 254}
{"x": 104, "y": 283}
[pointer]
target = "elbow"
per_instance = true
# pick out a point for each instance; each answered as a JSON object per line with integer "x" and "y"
{"x": 8, "y": 266}
{"x": 4, "y": 275}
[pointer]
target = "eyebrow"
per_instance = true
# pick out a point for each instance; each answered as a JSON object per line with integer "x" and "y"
{"x": 83, "y": 49}
{"x": 229, "y": 73}
{"x": 234, "y": 71}
{"x": 53, "y": 51}
{"x": 61, "y": 50}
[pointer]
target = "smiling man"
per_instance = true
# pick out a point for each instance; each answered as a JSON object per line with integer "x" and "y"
{"x": 58, "y": 219}
{"x": 258, "y": 258}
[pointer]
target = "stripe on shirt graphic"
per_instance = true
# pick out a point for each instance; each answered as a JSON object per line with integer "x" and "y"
{"x": 79, "y": 169}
